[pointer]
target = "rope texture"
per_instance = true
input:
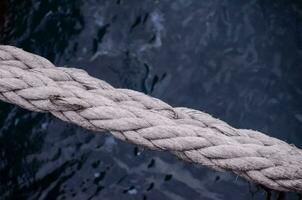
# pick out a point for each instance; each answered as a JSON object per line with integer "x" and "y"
{"x": 70, "y": 94}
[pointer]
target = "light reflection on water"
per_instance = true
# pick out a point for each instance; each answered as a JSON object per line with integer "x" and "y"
{"x": 236, "y": 60}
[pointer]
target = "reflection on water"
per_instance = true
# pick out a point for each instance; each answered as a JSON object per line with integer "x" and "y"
{"x": 240, "y": 61}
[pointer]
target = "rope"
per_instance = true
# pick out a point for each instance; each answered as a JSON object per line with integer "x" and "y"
{"x": 34, "y": 83}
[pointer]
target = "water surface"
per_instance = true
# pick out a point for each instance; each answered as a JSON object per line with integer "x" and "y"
{"x": 238, "y": 60}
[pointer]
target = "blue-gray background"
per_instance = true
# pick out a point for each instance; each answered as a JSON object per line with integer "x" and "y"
{"x": 238, "y": 60}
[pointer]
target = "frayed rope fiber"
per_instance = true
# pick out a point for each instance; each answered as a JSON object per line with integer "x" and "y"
{"x": 70, "y": 94}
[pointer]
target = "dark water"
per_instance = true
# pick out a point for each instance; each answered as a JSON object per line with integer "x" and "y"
{"x": 238, "y": 60}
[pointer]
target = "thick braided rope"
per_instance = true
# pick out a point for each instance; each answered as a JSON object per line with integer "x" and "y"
{"x": 34, "y": 83}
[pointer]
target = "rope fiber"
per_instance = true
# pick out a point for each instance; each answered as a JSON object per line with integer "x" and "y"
{"x": 70, "y": 94}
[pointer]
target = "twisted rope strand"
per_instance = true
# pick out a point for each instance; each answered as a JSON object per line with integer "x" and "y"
{"x": 34, "y": 83}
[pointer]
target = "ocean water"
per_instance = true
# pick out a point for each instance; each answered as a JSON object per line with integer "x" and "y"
{"x": 238, "y": 60}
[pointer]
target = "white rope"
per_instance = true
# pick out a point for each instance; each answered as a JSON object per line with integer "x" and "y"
{"x": 34, "y": 83}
